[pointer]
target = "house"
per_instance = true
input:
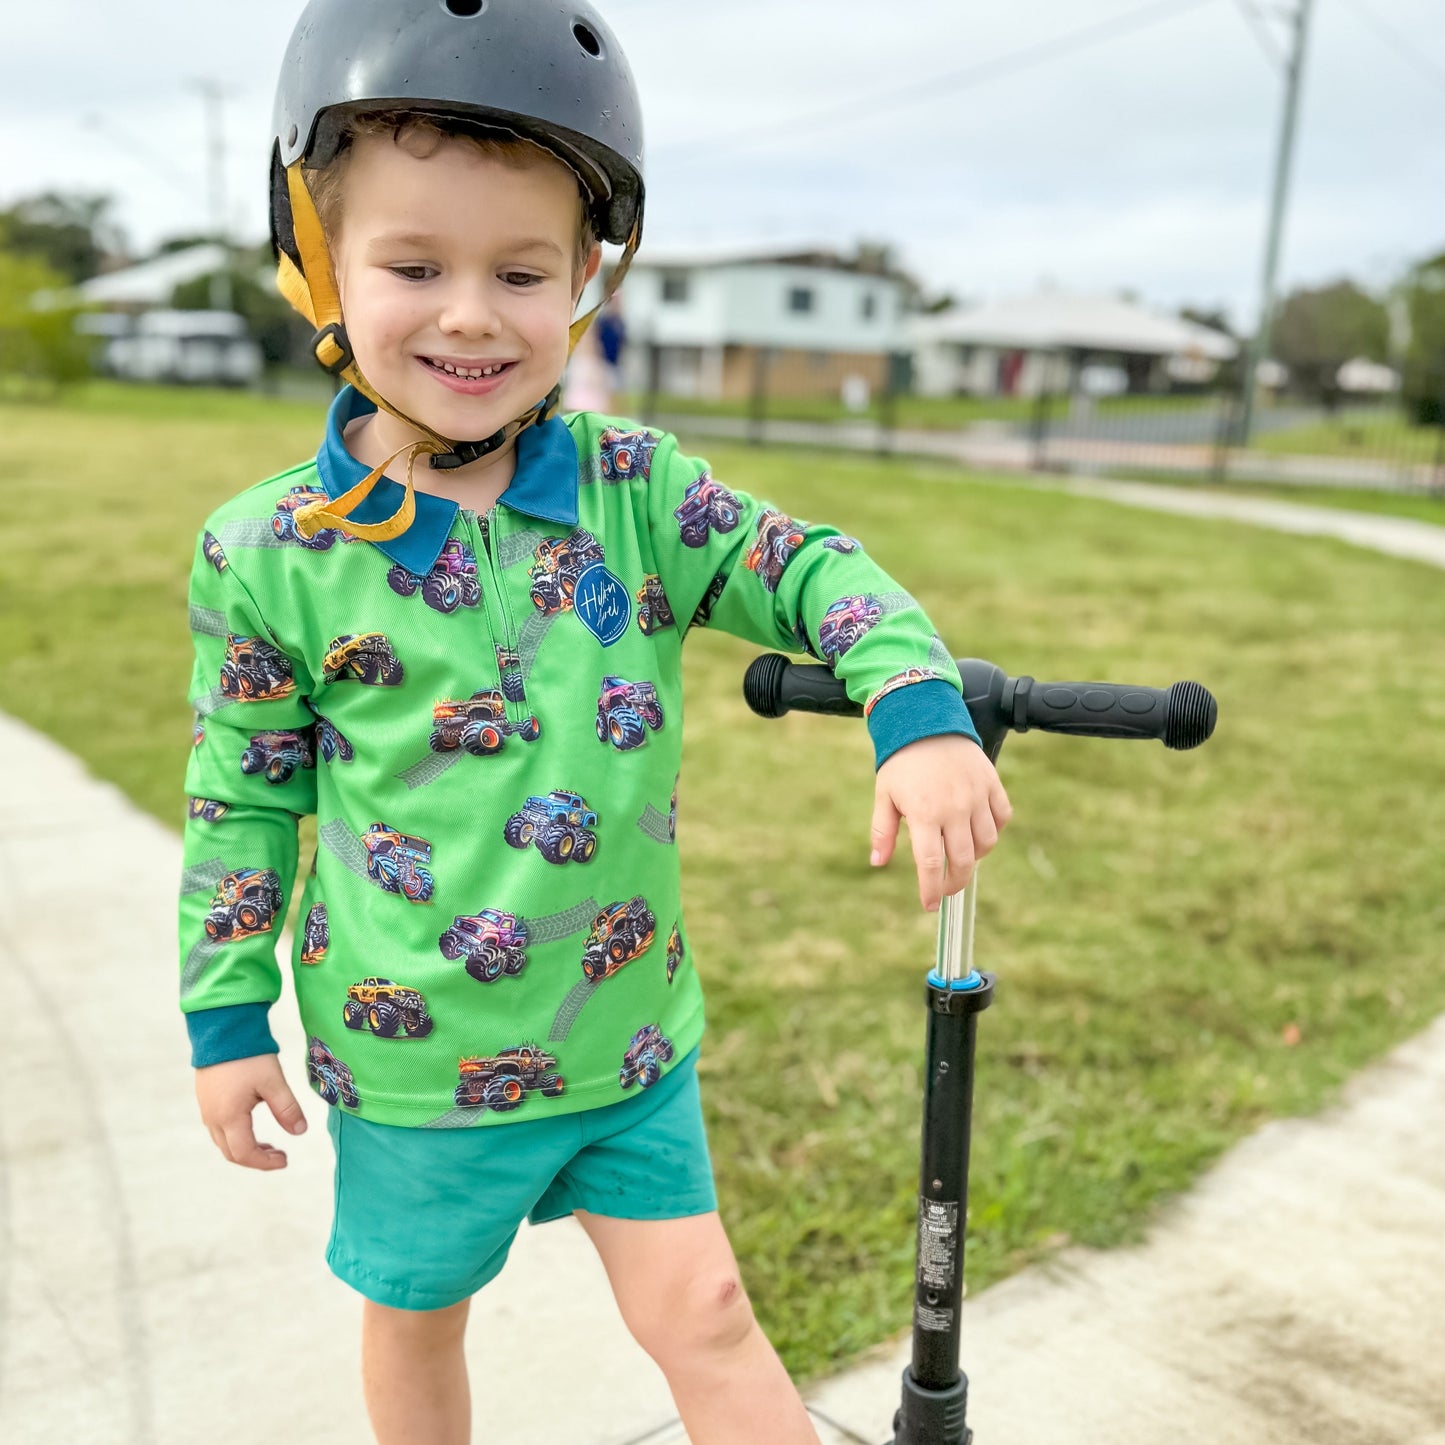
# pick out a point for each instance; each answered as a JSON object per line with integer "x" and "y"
{"x": 1056, "y": 342}
{"x": 145, "y": 340}
{"x": 797, "y": 323}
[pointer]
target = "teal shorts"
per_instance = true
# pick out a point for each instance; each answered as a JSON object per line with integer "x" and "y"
{"x": 425, "y": 1217}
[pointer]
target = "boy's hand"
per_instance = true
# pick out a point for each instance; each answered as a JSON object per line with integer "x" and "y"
{"x": 955, "y": 805}
{"x": 228, "y": 1092}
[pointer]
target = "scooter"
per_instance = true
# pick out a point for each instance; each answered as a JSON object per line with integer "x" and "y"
{"x": 935, "y": 1390}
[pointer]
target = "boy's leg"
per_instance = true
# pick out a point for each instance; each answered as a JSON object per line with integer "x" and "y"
{"x": 414, "y": 1375}
{"x": 677, "y": 1285}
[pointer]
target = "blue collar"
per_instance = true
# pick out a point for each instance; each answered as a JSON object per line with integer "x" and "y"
{"x": 544, "y": 484}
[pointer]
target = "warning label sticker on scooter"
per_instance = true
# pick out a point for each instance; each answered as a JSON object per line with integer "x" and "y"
{"x": 940, "y": 1321}
{"x": 937, "y": 1241}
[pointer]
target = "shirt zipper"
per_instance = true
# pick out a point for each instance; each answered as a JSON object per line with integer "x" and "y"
{"x": 482, "y": 532}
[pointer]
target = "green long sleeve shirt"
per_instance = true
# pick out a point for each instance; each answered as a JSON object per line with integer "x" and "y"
{"x": 485, "y": 715}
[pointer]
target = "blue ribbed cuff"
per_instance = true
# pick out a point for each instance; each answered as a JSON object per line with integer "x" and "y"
{"x": 920, "y": 710}
{"x": 237, "y": 1031}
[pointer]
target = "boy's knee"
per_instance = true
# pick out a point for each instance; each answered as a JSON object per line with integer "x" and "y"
{"x": 707, "y": 1316}
{"x": 417, "y": 1324}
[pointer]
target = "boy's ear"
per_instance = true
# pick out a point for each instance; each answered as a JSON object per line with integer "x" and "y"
{"x": 589, "y": 270}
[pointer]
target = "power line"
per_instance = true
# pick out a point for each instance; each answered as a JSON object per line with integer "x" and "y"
{"x": 1262, "y": 34}
{"x": 1397, "y": 42}
{"x": 1011, "y": 63}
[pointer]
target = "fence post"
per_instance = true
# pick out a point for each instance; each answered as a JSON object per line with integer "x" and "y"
{"x": 1039, "y": 425}
{"x": 652, "y": 380}
{"x": 758, "y": 403}
{"x": 1224, "y": 429}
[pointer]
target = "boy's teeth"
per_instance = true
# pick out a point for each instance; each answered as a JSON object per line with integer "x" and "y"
{"x": 469, "y": 373}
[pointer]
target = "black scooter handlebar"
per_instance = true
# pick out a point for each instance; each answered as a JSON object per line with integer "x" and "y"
{"x": 1182, "y": 716}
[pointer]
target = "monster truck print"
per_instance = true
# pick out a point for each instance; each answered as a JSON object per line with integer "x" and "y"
{"x": 211, "y": 551}
{"x": 779, "y": 536}
{"x": 332, "y": 742}
{"x": 557, "y": 566}
{"x": 654, "y": 612}
{"x": 503, "y": 1080}
{"x": 645, "y": 1056}
{"x": 207, "y": 810}
{"x": 844, "y": 623}
{"x": 254, "y": 670}
{"x": 396, "y": 861}
{"x": 283, "y": 522}
{"x": 492, "y": 942}
{"x": 329, "y": 1076}
{"x": 623, "y": 708}
{"x": 478, "y": 725}
{"x": 246, "y": 902}
{"x": 845, "y": 545}
{"x": 277, "y": 755}
{"x": 560, "y": 824}
{"x": 384, "y": 1007}
{"x": 509, "y": 669}
{"x": 674, "y": 951}
{"x": 706, "y": 504}
{"x": 620, "y": 933}
{"x": 899, "y": 679}
{"x": 365, "y": 656}
{"x": 451, "y": 582}
{"x": 626, "y": 454}
{"x": 316, "y": 935}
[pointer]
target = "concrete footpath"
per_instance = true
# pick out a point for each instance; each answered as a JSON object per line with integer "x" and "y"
{"x": 151, "y": 1294}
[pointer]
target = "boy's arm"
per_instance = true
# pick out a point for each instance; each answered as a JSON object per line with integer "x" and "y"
{"x": 727, "y": 560}
{"x": 250, "y": 775}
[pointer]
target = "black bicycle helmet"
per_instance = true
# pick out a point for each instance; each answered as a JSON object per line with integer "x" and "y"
{"x": 549, "y": 72}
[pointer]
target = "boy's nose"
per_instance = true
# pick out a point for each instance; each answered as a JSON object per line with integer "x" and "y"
{"x": 470, "y": 310}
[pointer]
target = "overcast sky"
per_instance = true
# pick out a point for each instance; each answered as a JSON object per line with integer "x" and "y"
{"x": 1141, "y": 161}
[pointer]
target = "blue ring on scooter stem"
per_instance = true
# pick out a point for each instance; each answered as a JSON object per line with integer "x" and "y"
{"x": 958, "y": 985}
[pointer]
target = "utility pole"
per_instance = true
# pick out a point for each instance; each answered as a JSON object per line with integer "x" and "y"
{"x": 1259, "y": 347}
{"x": 212, "y": 95}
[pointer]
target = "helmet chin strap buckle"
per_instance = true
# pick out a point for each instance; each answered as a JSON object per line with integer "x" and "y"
{"x": 463, "y": 453}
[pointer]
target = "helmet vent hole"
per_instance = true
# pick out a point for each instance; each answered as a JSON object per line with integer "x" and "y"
{"x": 466, "y": 8}
{"x": 586, "y": 39}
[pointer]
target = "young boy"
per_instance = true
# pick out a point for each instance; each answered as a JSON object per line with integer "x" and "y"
{"x": 470, "y": 672}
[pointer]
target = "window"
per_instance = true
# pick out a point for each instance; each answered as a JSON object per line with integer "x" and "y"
{"x": 800, "y": 298}
{"x": 674, "y": 286}
{"x": 870, "y": 305}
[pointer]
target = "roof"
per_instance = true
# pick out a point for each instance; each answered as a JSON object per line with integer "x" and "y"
{"x": 803, "y": 253}
{"x": 1056, "y": 321}
{"x": 152, "y": 283}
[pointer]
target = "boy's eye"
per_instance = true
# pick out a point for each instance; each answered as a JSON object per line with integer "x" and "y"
{"x": 520, "y": 278}
{"x": 412, "y": 273}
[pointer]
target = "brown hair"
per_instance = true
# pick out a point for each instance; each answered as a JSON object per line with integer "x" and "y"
{"x": 422, "y": 136}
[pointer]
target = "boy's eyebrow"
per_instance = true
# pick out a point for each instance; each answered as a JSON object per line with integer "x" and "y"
{"x": 423, "y": 240}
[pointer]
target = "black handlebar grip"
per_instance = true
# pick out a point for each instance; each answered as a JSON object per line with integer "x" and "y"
{"x": 772, "y": 686}
{"x": 1181, "y": 717}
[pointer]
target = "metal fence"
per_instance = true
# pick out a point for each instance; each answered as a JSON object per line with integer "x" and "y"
{"x": 1393, "y": 441}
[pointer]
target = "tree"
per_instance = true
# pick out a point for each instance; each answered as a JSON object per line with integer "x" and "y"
{"x": 1317, "y": 331}
{"x": 1424, "y": 382}
{"x": 72, "y": 234}
{"x": 38, "y": 343}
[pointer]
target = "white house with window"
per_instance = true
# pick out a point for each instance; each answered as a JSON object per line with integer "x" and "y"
{"x": 720, "y": 325}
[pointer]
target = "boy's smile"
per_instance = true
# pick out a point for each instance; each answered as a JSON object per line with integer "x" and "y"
{"x": 458, "y": 280}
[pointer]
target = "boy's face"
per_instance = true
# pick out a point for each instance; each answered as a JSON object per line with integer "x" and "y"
{"x": 458, "y": 259}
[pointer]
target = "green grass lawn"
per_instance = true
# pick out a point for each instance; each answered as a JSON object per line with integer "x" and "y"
{"x": 1186, "y": 944}
{"x": 1378, "y": 432}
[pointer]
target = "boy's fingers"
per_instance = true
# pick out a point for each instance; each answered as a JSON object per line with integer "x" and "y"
{"x": 244, "y": 1150}
{"x": 928, "y": 855}
{"x": 885, "y": 829}
{"x": 283, "y": 1105}
{"x": 960, "y": 845}
{"x": 985, "y": 833}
